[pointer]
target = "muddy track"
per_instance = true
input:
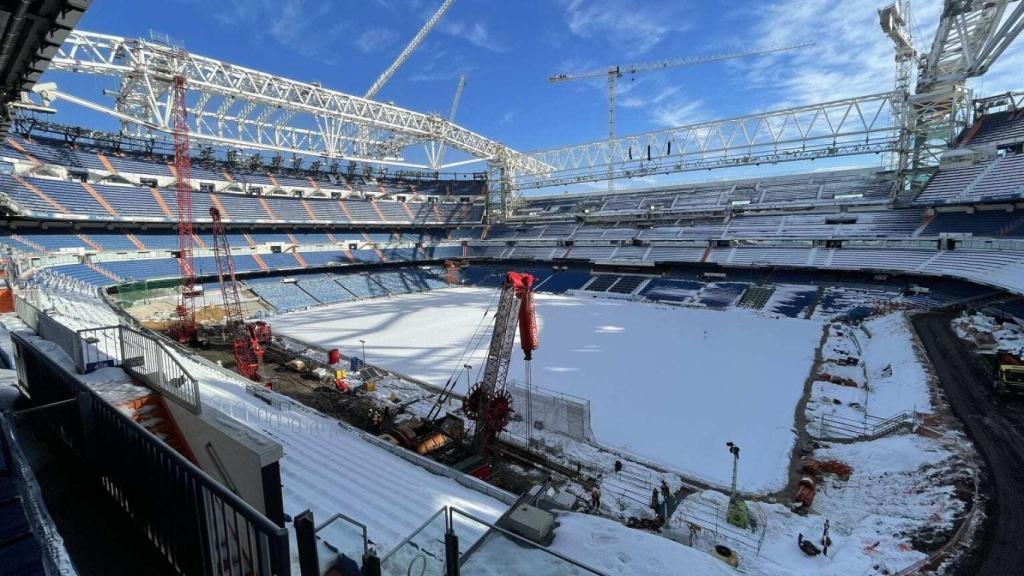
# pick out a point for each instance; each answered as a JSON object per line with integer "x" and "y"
{"x": 996, "y": 426}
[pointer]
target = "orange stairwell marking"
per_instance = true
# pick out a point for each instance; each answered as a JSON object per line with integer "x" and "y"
{"x": 437, "y": 212}
{"x": 707, "y": 252}
{"x": 348, "y": 255}
{"x": 483, "y": 232}
{"x": 292, "y": 238}
{"x": 345, "y": 210}
{"x": 227, "y": 176}
{"x": 134, "y": 240}
{"x": 309, "y": 209}
{"x": 56, "y": 205}
{"x": 199, "y": 241}
{"x": 380, "y": 255}
{"x": 99, "y": 199}
{"x": 266, "y": 208}
{"x": 106, "y": 163}
{"x": 412, "y": 218}
{"x": 273, "y": 180}
{"x": 331, "y": 237}
{"x": 161, "y": 203}
{"x": 99, "y": 270}
{"x": 216, "y": 202}
{"x": 299, "y": 259}
{"x": 316, "y": 186}
{"x": 90, "y": 242}
{"x": 17, "y": 146}
{"x": 259, "y": 261}
{"x": 376, "y": 209}
{"x": 151, "y": 412}
{"x": 248, "y": 238}
{"x": 173, "y": 168}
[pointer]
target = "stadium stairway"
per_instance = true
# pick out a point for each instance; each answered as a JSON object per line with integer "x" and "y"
{"x": 755, "y": 297}
{"x": 150, "y": 412}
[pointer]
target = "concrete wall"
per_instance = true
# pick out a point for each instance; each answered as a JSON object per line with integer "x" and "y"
{"x": 233, "y": 454}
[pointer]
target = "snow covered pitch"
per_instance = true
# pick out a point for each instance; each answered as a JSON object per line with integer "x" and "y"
{"x": 669, "y": 384}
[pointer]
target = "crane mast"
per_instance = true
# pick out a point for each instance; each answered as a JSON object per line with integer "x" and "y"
{"x": 186, "y": 309}
{"x": 245, "y": 339}
{"x": 409, "y": 49}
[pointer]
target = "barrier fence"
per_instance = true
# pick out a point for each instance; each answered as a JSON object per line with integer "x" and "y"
{"x": 140, "y": 355}
{"x": 540, "y": 409}
{"x": 197, "y": 524}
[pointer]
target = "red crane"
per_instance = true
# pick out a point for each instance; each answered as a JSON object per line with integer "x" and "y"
{"x": 489, "y": 403}
{"x": 186, "y": 309}
{"x": 245, "y": 339}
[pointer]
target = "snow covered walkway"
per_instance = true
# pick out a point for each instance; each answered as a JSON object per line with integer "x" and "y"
{"x": 329, "y": 469}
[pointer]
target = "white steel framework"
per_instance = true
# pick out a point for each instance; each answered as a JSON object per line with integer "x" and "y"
{"x": 239, "y": 107}
{"x": 971, "y": 36}
{"x": 844, "y": 127}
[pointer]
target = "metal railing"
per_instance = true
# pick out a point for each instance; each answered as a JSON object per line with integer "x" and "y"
{"x": 198, "y": 525}
{"x": 424, "y": 551}
{"x": 152, "y": 362}
{"x": 140, "y": 355}
{"x": 867, "y": 427}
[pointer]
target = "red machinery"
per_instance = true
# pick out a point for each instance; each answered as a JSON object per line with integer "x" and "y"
{"x": 247, "y": 340}
{"x": 186, "y": 309}
{"x": 488, "y": 403}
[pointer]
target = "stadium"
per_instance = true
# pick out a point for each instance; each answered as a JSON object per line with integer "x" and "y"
{"x": 255, "y": 325}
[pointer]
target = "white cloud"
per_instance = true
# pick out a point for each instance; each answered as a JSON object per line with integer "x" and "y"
{"x": 298, "y": 25}
{"x": 680, "y": 113}
{"x": 631, "y": 28}
{"x": 373, "y": 40}
{"x": 475, "y": 32}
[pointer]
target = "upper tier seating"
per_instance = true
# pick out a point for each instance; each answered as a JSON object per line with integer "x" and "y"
{"x": 999, "y": 179}
{"x": 819, "y": 188}
{"x": 85, "y": 155}
{"x": 66, "y": 199}
{"x": 1000, "y": 128}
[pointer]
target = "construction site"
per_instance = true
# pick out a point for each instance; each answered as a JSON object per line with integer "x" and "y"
{"x": 261, "y": 326}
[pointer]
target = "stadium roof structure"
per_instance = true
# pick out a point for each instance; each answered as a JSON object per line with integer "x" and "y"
{"x": 32, "y": 31}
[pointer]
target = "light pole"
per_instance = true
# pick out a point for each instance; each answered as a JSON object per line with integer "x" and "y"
{"x": 363, "y": 342}
{"x": 468, "y": 368}
{"x": 738, "y": 514}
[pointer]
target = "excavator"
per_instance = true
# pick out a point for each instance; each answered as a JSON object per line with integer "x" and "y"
{"x": 488, "y": 404}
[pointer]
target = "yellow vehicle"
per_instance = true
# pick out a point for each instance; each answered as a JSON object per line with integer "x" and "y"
{"x": 1009, "y": 374}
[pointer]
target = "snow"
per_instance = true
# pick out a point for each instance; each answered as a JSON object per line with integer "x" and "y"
{"x": 328, "y": 469}
{"x": 663, "y": 381}
{"x": 597, "y": 542}
{"x": 900, "y": 485}
{"x": 890, "y": 376}
{"x": 987, "y": 332}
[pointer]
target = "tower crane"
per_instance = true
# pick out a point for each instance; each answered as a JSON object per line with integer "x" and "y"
{"x": 409, "y": 49}
{"x": 451, "y": 115}
{"x": 246, "y": 340}
{"x": 613, "y": 73}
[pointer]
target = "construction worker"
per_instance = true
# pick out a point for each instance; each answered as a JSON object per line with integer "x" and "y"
{"x": 655, "y": 502}
{"x": 595, "y": 498}
{"x": 618, "y": 466}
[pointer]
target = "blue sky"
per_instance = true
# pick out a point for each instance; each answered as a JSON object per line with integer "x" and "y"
{"x": 508, "y": 50}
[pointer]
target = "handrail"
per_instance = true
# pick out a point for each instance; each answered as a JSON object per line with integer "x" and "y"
{"x": 150, "y": 361}
{"x": 451, "y": 511}
{"x": 411, "y": 535}
{"x": 217, "y": 497}
{"x": 357, "y": 524}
